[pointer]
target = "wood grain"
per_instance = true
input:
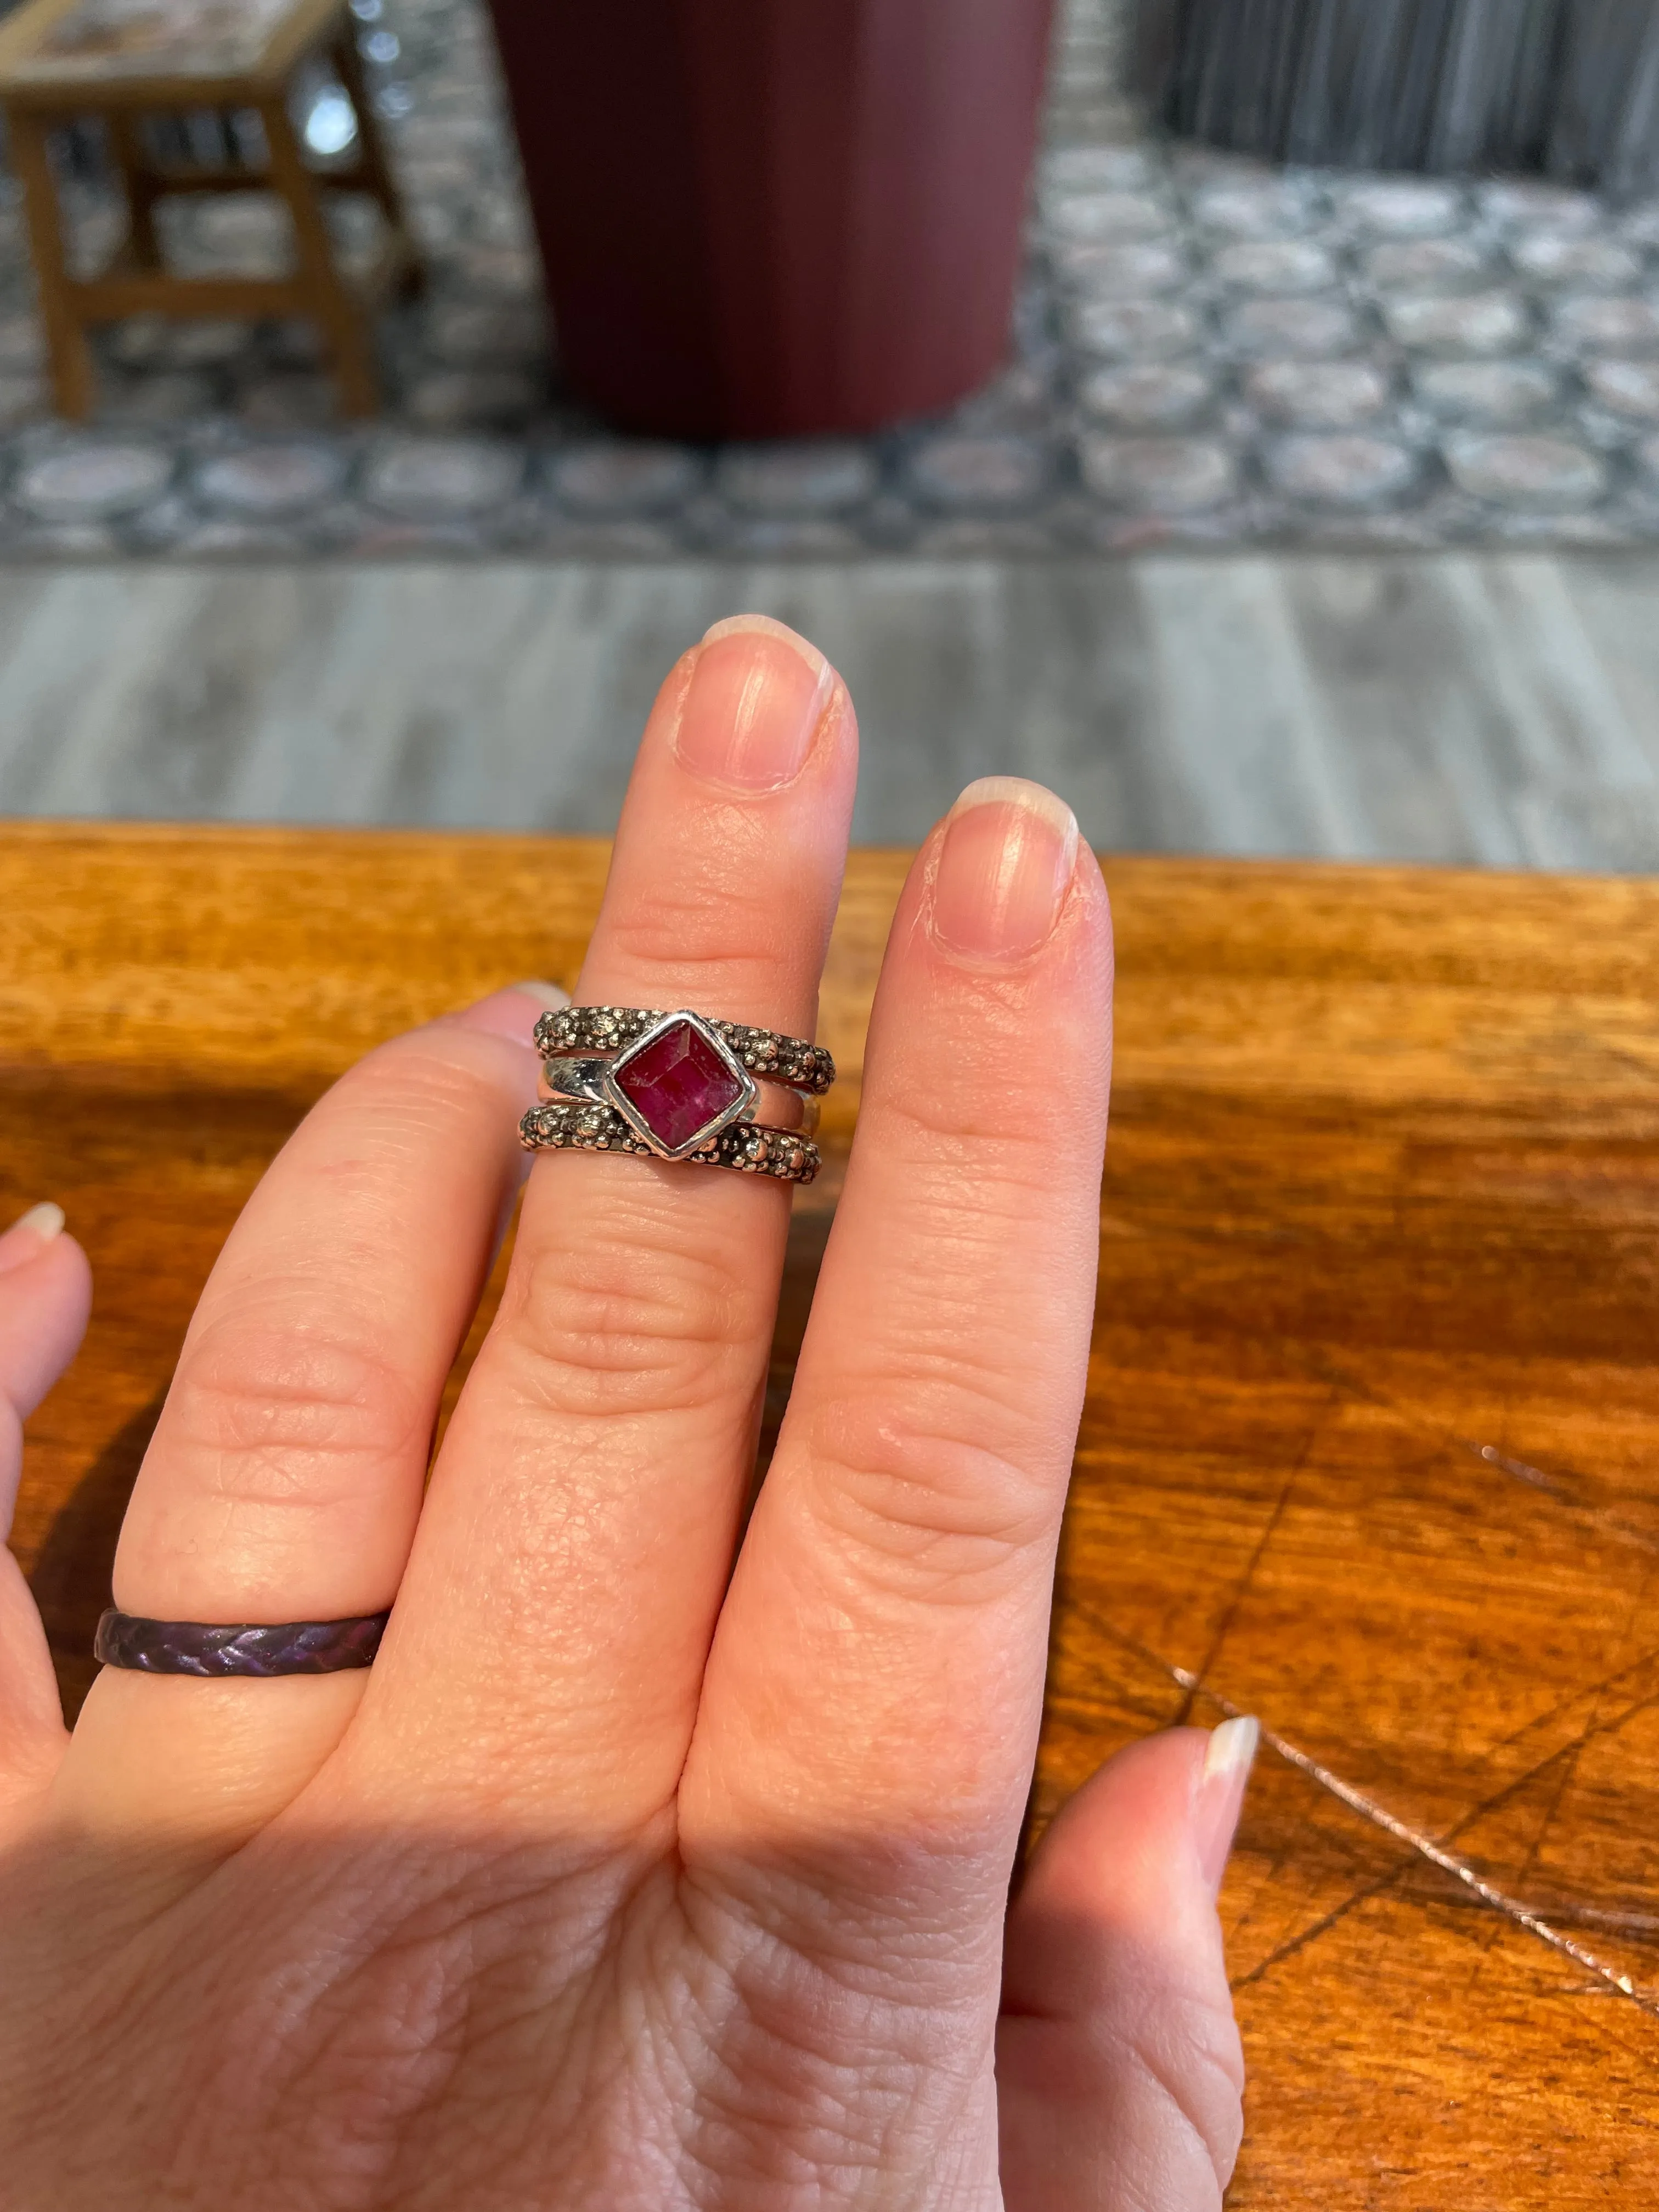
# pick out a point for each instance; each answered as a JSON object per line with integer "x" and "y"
{"x": 1373, "y": 1419}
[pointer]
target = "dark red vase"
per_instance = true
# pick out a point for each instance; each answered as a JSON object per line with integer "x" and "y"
{"x": 762, "y": 218}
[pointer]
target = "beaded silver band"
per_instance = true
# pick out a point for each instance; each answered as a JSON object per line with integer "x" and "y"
{"x": 767, "y": 1054}
{"x": 746, "y": 1146}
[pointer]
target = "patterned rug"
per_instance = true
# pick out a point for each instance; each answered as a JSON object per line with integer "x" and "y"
{"x": 1206, "y": 352}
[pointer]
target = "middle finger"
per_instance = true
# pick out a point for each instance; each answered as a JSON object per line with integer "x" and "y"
{"x": 579, "y": 1532}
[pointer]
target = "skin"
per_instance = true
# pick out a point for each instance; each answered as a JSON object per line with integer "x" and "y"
{"x": 631, "y": 1877}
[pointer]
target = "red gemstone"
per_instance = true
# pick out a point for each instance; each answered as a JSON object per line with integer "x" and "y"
{"x": 678, "y": 1085}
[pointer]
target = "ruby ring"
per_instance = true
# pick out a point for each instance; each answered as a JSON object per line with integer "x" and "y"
{"x": 677, "y": 1087}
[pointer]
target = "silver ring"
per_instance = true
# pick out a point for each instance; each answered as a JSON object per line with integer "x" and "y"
{"x": 783, "y": 1154}
{"x": 677, "y": 1085}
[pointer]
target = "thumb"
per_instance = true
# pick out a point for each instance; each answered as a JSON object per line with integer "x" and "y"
{"x": 45, "y": 1290}
{"x": 1119, "y": 2069}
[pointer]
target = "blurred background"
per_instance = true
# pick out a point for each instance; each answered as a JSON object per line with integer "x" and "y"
{"x": 1243, "y": 415}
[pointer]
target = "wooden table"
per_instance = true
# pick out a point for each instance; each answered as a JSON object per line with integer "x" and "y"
{"x": 1373, "y": 1441}
{"x": 61, "y": 60}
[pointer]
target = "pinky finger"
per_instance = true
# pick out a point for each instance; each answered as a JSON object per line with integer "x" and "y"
{"x": 45, "y": 1290}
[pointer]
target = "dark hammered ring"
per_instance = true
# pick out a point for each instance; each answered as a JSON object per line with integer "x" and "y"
{"x": 767, "y": 1055}
{"x": 750, "y": 1148}
{"x": 197, "y": 1647}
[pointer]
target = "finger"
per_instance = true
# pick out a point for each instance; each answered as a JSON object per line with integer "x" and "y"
{"x": 45, "y": 1293}
{"x": 284, "y": 1479}
{"x": 1119, "y": 2070}
{"x": 878, "y": 1667}
{"x": 581, "y": 1519}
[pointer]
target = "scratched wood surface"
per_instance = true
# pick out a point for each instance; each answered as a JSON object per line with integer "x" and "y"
{"x": 1372, "y": 1440}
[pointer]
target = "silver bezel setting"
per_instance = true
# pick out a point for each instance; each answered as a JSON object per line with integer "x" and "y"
{"x": 741, "y": 1108}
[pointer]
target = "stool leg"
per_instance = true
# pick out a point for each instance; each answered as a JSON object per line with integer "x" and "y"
{"x": 139, "y": 186}
{"x": 376, "y": 169}
{"x": 344, "y": 325}
{"x": 72, "y": 381}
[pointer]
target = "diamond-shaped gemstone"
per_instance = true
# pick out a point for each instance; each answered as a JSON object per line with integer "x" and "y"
{"x": 678, "y": 1085}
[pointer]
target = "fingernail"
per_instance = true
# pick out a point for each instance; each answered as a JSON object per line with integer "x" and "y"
{"x": 30, "y": 1234}
{"x": 511, "y": 1013}
{"x": 1220, "y": 1798}
{"x": 756, "y": 697}
{"x": 1003, "y": 869}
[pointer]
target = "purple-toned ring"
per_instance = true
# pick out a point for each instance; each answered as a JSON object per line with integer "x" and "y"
{"x": 196, "y": 1647}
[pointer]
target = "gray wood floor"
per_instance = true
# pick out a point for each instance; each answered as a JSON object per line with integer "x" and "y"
{"x": 1497, "y": 709}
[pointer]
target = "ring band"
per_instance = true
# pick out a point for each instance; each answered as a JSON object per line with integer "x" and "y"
{"x": 196, "y": 1647}
{"x": 767, "y": 1054}
{"x": 748, "y": 1146}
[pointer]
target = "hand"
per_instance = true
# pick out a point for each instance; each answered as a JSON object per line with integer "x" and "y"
{"x": 629, "y": 1879}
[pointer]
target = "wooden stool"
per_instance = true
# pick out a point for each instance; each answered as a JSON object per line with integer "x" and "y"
{"x": 121, "y": 60}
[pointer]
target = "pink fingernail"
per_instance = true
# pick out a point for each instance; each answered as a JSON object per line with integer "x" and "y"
{"x": 1219, "y": 1798}
{"x": 1003, "y": 869}
{"x": 30, "y": 1234}
{"x": 756, "y": 697}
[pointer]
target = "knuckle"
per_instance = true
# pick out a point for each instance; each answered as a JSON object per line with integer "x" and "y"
{"x": 439, "y": 1074}
{"x": 283, "y": 1415}
{"x": 694, "y": 923}
{"x": 1188, "y": 2056}
{"x": 1009, "y": 1143}
{"x": 930, "y": 1477}
{"x": 632, "y": 1325}
{"x": 793, "y": 1995}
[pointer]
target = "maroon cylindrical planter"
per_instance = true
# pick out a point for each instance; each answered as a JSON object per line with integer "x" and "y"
{"x": 768, "y": 217}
